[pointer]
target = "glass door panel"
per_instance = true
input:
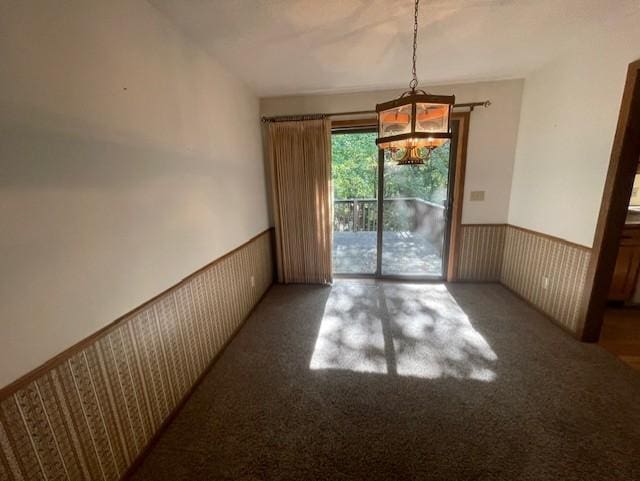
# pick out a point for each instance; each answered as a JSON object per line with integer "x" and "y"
{"x": 355, "y": 208}
{"x": 414, "y": 218}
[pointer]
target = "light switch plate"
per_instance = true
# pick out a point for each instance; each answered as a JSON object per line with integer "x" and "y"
{"x": 477, "y": 195}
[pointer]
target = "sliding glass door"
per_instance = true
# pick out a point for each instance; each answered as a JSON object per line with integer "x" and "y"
{"x": 389, "y": 220}
{"x": 414, "y": 217}
{"x": 355, "y": 207}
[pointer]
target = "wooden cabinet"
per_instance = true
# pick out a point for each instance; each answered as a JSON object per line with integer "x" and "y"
{"x": 625, "y": 275}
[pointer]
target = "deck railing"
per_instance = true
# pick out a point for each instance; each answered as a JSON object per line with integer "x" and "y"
{"x": 401, "y": 214}
{"x": 355, "y": 215}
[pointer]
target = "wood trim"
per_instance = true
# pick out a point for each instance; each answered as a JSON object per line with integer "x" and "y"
{"x": 172, "y": 415}
{"x": 350, "y": 124}
{"x": 551, "y": 237}
{"x": 623, "y": 166}
{"x": 34, "y": 374}
{"x": 458, "y": 193}
{"x": 485, "y": 225}
{"x": 535, "y": 232}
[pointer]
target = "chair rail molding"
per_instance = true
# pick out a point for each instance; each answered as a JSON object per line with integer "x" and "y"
{"x": 93, "y": 411}
{"x": 546, "y": 271}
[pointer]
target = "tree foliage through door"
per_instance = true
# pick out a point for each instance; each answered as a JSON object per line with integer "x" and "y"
{"x": 355, "y": 166}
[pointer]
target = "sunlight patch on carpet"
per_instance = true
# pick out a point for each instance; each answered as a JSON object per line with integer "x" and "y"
{"x": 416, "y": 330}
{"x": 350, "y": 335}
{"x": 432, "y": 335}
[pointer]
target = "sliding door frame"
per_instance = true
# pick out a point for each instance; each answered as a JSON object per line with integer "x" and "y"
{"x": 453, "y": 149}
{"x": 453, "y": 208}
{"x": 361, "y": 126}
{"x": 380, "y": 214}
{"x": 462, "y": 119}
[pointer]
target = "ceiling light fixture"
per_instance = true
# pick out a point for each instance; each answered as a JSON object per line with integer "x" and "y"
{"x": 413, "y": 125}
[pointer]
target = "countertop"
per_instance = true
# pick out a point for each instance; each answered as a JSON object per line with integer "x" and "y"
{"x": 633, "y": 217}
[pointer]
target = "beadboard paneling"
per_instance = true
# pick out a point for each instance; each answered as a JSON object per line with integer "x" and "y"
{"x": 481, "y": 251}
{"x": 529, "y": 257}
{"x": 91, "y": 414}
{"x": 520, "y": 259}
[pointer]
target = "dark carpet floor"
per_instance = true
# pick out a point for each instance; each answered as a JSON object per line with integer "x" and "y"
{"x": 390, "y": 381}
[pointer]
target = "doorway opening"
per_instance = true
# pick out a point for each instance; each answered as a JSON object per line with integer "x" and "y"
{"x": 612, "y": 279}
{"x": 390, "y": 221}
{"x": 620, "y": 332}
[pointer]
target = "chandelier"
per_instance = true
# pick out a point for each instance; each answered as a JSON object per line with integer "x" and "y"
{"x": 413, "y": 125}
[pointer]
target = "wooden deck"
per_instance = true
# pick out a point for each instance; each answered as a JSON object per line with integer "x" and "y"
{"x": 403, "y": 253}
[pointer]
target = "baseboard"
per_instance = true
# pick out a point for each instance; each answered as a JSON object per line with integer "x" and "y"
{"x": 546, "y": 315}
{"x": 525, "y": 300}
{"x": 474, "y": 281}
{"x": 163, "y": 427}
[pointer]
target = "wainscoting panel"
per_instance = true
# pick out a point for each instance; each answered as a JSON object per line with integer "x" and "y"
{"x": 89, "y": 415}
{"x": 520, "y": 259}
{"x": 481, "y": 250}
{"x": 529, "y": 257}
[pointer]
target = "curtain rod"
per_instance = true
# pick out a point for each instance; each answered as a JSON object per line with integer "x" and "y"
{"x": 290, "y": 118}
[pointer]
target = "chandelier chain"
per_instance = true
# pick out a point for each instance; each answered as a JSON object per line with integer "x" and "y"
{"x": 414, "y": 81}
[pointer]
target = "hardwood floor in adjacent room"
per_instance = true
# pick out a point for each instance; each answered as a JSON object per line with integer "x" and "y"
{"x": 621, "y": 334}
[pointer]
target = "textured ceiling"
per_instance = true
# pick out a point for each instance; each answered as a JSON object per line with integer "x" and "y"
{"x": 301, "y": 46}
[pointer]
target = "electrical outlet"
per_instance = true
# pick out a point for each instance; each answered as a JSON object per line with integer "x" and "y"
{"x": 253, "y": 281}
{"x": 545, "y": 282}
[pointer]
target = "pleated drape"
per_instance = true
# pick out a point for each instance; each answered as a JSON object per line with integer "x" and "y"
{"x": 300, "y": 158}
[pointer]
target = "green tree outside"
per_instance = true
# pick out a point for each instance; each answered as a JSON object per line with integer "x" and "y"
{"x": 355, "y": 168}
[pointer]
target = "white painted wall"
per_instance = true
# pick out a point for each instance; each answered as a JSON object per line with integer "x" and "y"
{"x": 492, "y": 136}
{"x": 569, "y": 115}
{"x": 128, "y": 159}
